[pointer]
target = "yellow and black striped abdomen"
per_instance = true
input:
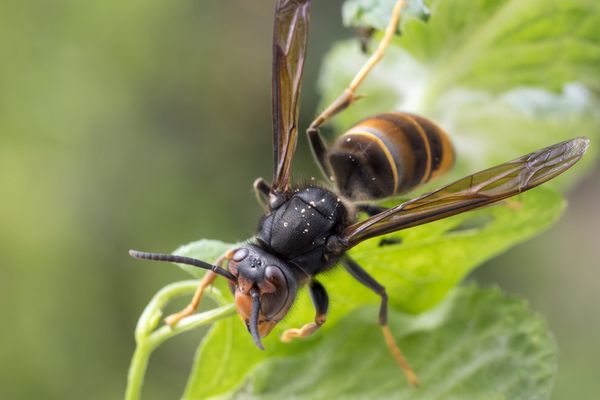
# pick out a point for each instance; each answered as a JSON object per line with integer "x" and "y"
{"x": 389, "y": 154}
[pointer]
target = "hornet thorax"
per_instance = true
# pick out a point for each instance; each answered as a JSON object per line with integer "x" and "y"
{"x": 298, "y": 229}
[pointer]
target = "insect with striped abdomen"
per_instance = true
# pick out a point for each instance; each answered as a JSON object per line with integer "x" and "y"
{"x": 387, "y": 155}
{"x": 308, "y": 230}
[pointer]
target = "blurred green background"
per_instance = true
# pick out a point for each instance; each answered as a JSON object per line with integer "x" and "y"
{"x": 142, "y": 124}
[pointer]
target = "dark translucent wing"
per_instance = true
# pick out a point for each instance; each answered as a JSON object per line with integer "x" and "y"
{"x": 473, "y": 191}
{"x": 289, "y": 48}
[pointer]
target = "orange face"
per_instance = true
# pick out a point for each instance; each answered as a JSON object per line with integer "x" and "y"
{"x": 243, "y": 303}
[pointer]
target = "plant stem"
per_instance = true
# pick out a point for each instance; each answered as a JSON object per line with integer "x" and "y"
{"x": 147, "y": 338}
{"x": 137, "y": 370}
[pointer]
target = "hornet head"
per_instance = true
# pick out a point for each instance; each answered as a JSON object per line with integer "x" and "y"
{"x": 264, "y": 289}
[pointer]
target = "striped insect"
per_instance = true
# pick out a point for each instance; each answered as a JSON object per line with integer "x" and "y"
{"x": 308, "y": 230}
{"x": 387, "y": 155}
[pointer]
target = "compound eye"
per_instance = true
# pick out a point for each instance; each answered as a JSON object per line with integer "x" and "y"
{"x": 274, "y": 275}
{"x": 272, "y": 303}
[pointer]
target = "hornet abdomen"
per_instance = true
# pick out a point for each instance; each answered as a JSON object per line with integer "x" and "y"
{"x": 389, "y": 154}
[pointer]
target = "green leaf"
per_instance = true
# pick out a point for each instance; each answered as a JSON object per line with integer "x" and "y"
{"x": 503, "y": 78}
{"x": 493, "y": 45}
{"x": 418, "y": 273}
{"x": 478, "y": 344}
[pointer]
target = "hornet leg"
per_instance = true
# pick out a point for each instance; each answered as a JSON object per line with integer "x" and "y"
{"x": 348, "y": 96}
{"x": 206, "y": 281}
{"x": 320, "y": 300}
{"x": 262, "y": 190}
{"x": 370, "y": 209}
{"x": 363, "y": 277}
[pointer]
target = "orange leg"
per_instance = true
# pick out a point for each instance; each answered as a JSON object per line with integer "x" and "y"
{"x": 399, "y": 357}
{"x": 304, "y": 331}
{"x": 363, "y": 277}
{"x": 320, "y": 301}
{"x": 349, "y": 96}
{"x": 206, "y": 281}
